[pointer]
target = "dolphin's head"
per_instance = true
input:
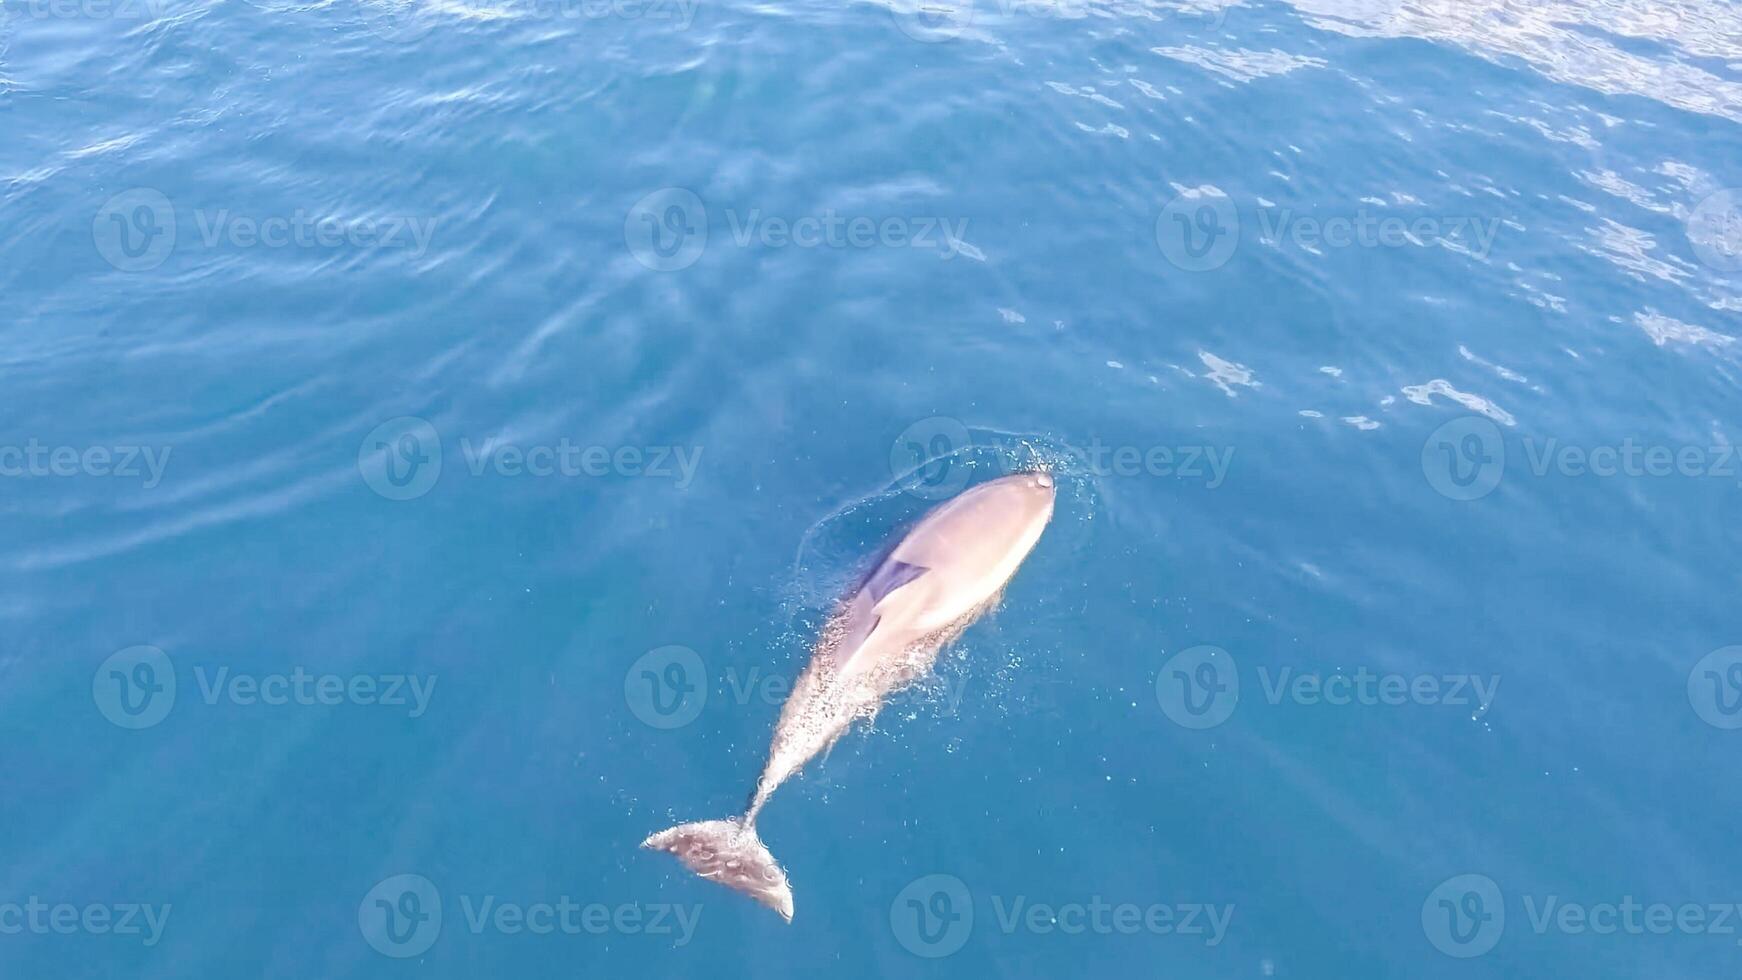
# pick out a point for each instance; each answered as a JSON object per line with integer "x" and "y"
{"x": 1032, "y": 491}
{"x": 1001, "y": 516}
{"x": 965, "y": 550}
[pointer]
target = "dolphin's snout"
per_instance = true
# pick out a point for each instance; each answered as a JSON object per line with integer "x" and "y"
{"x": 1036, "y": 490}
{"x": 1027, "y": 480}
{"x": 1038, "y": 482}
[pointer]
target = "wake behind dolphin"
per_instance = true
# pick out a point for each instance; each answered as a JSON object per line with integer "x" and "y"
{"x": 885, "y": 634}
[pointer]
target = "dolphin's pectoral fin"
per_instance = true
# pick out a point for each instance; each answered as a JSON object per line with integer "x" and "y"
{"x": 889, "y": 576}
{"x": 859, "y": 617}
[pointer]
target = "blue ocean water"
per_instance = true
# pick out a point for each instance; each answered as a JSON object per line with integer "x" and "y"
{"x": 434, "y": 431}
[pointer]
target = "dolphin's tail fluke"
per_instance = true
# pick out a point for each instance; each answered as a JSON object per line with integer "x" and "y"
{"x": 729, "y": 852}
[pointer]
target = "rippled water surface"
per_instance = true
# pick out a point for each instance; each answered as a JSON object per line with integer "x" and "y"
{"x": 433, "y": 431}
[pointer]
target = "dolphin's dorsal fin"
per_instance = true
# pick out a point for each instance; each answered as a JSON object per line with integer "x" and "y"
{"x": 889, "y": 576}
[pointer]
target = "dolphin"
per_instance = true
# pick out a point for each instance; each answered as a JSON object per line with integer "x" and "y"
{"x": 886, "y": 633}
